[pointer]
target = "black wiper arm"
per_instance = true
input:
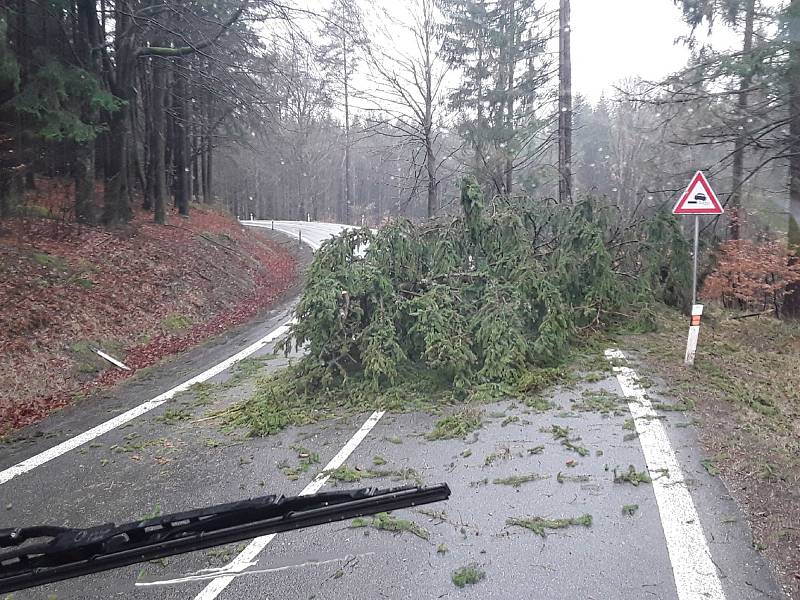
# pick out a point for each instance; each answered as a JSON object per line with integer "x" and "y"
{"x": 75, "y": 552}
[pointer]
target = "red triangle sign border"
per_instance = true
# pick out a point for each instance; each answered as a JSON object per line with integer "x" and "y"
{"x": 680, "y": 207}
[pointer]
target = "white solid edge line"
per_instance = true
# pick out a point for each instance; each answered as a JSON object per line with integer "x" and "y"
{"x": 87, "y": 436}
{"x": 692, "y": 566}
{"x": 247, "y": 557}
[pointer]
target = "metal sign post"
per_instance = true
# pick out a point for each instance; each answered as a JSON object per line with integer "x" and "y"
{"x": 696, "y": 253}
{"x": 698, "y": 199}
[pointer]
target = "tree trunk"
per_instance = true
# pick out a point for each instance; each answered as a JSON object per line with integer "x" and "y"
{"x": 512, "y": 61}
{"x": 201, "y": 174}
{"x": 564, "y": 105}
{"x": 737, "y": 178}
{"x": 430, "y": 164}
{"x": 197, "y": 170}
{"x": 430, "y": 157}
{"x": 84, "y": 164}
{"x": 209, "y": 171}
{"x": 792, "y": 303}
{"x": 146, "y": 84}
{"x": 148, "y": 201}
{"x": 187, "y": 143}
{"x": 478, "y": 136}
{"x": 183, "y": 189}
{"x": 205, "y": 141}
{"x": 347, "y": 193}
{"x": 202, "y": 161}
{"x": 117, "y": 207}
{"x": 83, "y": 172}
{"x": 170, "y": 129}
{"x": 158, "y": 141}
{"x": 10, "y": 191}
{"x": 136, "y": 163}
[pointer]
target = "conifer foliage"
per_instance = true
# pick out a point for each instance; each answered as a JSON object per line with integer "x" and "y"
{"x": 478, "y": 299}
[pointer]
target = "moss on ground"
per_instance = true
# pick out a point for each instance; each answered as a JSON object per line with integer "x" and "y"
{"x": 176, "y": 322}
{"x": 50, "y": 261}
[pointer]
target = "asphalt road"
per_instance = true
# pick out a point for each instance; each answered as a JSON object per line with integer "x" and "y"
{"x": 159, "y": 463}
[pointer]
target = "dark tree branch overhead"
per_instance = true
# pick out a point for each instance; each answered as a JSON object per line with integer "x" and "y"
{"x": 192, "y": 48}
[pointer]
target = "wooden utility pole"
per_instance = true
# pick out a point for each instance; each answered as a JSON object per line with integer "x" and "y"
{"x": 564, "y": 105}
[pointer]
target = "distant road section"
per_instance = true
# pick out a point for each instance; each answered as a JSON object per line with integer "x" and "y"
{"x": 310, "y": 232}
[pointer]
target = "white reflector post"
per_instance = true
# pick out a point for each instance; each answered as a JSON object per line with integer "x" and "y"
{"x": 694, "y": 333}
{"x": 113, "y": 360}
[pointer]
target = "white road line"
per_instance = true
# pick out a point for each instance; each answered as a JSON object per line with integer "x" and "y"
{"x": 314, "y": 245}
{"x": 87, "y": 436}
{"x": 247, "y": 557}
{"x": 694, "y": 570}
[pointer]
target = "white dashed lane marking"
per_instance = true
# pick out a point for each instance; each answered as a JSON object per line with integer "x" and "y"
{"x": 247, "y": 557}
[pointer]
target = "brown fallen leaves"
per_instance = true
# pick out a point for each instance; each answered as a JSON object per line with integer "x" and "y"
{"x": 64, "y": 291}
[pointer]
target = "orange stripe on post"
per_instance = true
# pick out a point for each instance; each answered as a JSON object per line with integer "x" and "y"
{"x": 695, "y": 320}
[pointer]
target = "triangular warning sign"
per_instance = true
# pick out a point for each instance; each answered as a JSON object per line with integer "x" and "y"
{"x": 698, "y": 199}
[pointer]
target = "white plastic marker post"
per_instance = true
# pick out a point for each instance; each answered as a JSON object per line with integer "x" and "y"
{"x": 698, "y": 199}
{"x": 247, "y": 557}
{"x": 112, "y": 360}
{"x": 692, "y": 565}
{"x": 95, "y": 432}
{"x": 694, "y": 332}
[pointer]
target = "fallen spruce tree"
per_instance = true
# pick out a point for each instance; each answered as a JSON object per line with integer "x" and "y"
{"x": 466, "y": 306}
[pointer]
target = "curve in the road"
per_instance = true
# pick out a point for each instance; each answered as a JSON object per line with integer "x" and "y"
{"x": 314, "y": 235}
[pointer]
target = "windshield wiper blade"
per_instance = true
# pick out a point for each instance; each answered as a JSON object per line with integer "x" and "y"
{"x": 70, "y": 553}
